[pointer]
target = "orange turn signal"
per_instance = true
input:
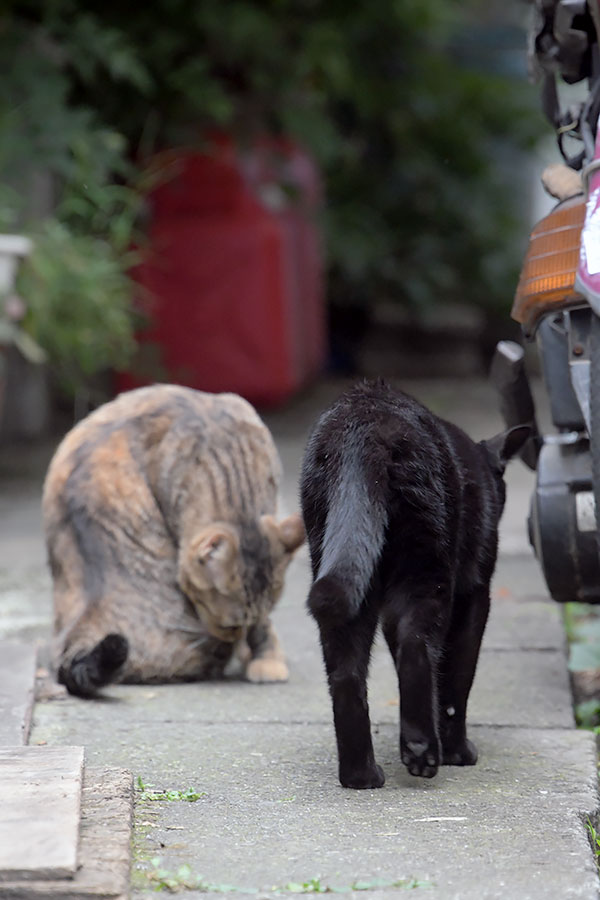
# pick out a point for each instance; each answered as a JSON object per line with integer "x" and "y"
{"x": 547, "y": 279}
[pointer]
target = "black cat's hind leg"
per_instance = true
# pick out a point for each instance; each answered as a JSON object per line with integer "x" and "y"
{"x": 346, "y": 648}
{"x": 413, "y": 627}
{"x": 86, "y": 672}
{"x": 457, "y": 670}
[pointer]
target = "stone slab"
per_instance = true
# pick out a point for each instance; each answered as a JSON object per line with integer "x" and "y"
{"x": 21, "y": 537}
{"x": 39, "y": 823}
{"x": 524, "y": 624}
{"x": 17, "y": 679}
{"x": 104, "y": 848}
{"x": 25, "y": 605}
{"x": 520, "y": 688}
{"x": 519, "y": 576}
{"x": 274, "y": 813}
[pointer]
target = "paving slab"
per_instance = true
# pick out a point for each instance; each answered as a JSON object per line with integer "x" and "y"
{"x": 39, "y": 826}
{"x": 274, "y": 814}
{"x": 518, "y": 575}
{"x": 525, "y": 623}
{"x": 21, "y": 539}
{"x": 104, "y": 845}
{"x": 17, "y": 673}
{"x": 25, "y": 604}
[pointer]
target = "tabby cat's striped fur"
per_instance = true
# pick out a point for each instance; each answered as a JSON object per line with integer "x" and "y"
{"x": 162, "y": 542}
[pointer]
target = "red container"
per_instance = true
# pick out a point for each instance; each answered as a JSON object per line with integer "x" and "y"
{"x": 234, "y": 272}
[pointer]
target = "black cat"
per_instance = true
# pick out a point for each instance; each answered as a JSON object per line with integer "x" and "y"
{"x": 401, "y": 511}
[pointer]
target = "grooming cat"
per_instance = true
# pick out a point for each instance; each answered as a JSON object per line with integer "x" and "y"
{"x": 162, "y": 542}
{"x": 401, "y": 511}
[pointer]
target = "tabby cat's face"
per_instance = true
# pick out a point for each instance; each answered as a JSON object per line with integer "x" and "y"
{"x": 235, "y": 575}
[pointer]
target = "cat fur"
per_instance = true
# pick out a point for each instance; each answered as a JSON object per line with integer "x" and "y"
{"x": 165, "y": 554}
{"x": 401, "y": 511}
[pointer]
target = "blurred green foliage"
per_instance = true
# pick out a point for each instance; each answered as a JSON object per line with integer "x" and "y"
{"x": 79, "y": 305}
{"x": 408, "y": 135}
{"x": 75, "y": 283}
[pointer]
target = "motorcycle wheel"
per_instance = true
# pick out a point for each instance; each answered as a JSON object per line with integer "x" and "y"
{"x": 595, "y": 416}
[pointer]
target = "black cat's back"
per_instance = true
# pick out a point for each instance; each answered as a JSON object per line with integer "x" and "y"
{"x": 381, "y": 469}
{"x": 401, "y": 510}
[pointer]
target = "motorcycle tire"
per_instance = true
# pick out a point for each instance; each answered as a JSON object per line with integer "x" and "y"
{"x": 595, "y": 416}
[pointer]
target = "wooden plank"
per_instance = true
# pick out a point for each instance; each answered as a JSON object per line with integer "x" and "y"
{"x": 40, "y": 791}
{"x": 17, "y": 680}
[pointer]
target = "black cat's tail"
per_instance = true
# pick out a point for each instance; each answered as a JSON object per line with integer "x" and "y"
{"x": 352, "y": 543}
{"x": 87, "y": 672}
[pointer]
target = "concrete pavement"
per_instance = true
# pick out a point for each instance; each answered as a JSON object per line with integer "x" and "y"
{"x": 270, "y": 816}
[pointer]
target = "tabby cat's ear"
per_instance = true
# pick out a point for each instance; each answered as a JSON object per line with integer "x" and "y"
{"x": 289, "y": 533}
{"x": 504, "y": 446}
{"x": 215, "y": 550}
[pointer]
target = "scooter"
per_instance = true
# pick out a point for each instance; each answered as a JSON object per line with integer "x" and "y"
{"x": 557, "y": 304}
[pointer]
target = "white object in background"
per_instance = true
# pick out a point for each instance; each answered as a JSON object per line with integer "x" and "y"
{"x": 13, "y": 247}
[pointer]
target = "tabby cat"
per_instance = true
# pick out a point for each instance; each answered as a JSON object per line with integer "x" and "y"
{"x": 162, "y": 542}
{"x": 401, "y": 511}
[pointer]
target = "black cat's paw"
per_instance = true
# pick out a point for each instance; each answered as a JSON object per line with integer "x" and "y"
{"x": 463, "y": 755}
{"x": 421, "y": 758}
{"x": 364, "y": 779}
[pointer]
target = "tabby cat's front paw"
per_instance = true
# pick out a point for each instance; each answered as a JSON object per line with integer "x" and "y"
{"x": 462, "y": 755}
{"x": 263, "y": 671}
{"x": 372, "y": 777}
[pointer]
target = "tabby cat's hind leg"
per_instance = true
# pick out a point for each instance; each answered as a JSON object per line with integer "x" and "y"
{"x": 88, "y": 671}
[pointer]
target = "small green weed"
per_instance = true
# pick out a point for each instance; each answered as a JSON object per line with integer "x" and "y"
{"x": 146, "y": 793}
{"x": 314, "y": 886}
{"x": 595, "y": 841}
{"x": 183, "y": 879}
